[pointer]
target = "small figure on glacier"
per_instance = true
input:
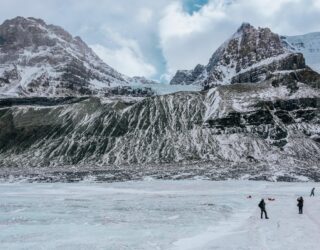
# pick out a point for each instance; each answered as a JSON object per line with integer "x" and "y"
{"x": 312, "y": 192}
{"x": 262, "y": 206}
{"x": 300, "y": 205}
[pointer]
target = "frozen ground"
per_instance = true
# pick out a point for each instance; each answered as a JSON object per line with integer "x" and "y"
{"x": 157, "y": 215}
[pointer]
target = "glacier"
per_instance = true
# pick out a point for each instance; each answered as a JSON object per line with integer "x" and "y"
{"x": 308, "y": 45}
{"x": 150, "y": 214}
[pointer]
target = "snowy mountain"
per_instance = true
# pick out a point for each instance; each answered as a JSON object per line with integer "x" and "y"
{"x": 37, "y": 59}
{"x": 232, "y": 131}
{"x": 308, "y": 45}
{"x": 260, "y": 118}
{"x": 250, "y": 55}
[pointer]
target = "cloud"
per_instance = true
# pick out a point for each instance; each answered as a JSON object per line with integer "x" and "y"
{"x": 190, "y": 38}
{"x": 135, "y": 21}
{"x": 187, "y": 40}
{"x": 125, "y": 56}
{"x": 144, "y": 15}
{"x": 156, "y": 38}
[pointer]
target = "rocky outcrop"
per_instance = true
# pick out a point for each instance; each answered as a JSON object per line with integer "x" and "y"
{"x": 187, "y": 77}
{"x": 292, "y": 62}
{"x": 129, "y": 92}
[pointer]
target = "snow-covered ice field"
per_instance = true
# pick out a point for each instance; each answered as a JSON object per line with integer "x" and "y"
{"x": 157, "y": 215}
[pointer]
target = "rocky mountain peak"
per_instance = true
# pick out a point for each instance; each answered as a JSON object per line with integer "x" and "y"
{"x": 20, "y": 32}
{"x": 248, "y": 48}
{"x": 45, "y": 60}
{"x": 245, "y": 27}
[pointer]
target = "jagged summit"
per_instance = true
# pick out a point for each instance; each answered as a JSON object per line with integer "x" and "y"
{"x": 37, "y": 59}
{"x": 244, "y": 28}
{"x": 249, "y": 55}
{"x": 249, "y": 28}
{"x": 20, "y": 32}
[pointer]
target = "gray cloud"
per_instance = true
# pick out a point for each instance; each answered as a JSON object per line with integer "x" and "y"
{"x": 190, "y": 39}
{"x": 155, "y": 38}
{"x": 97, "y": 22}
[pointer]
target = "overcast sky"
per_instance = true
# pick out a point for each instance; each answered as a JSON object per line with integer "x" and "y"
{"x": 154, "y": 38}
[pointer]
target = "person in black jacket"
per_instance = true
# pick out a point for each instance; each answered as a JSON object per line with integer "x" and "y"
{"x": 312, "y": 192}
{"x": 300, "y": 205}
{"x": 262, "y": 206}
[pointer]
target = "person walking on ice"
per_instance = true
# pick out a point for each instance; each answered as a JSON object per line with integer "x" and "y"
{"x": 262, "y": 206}
{"x": 300, "y": 205}
{"x": 312, "y": 192}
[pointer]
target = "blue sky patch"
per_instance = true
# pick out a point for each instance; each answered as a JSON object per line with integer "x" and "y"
{"x": 192, "y": 6}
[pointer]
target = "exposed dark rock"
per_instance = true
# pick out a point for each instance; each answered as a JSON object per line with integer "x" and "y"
{"x": 284, "y": 117}
{"x": 230, "y": 120}
{"x": 260, "y": 73}
{"x": 129, "y": 91}
{"x": 40, "y": 101}
{"x": 155, "y": 130}
{"x": 187, "y": 77}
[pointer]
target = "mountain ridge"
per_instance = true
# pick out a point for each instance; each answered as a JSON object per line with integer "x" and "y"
{"x": 258, "y": 50}
{"x": 39, "y": 59}
{"x": 262, "y": 123}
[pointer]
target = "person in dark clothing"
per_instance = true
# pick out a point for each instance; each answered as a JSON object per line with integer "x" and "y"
{"x": 300, "y": 205}
{"x": 262, "y": 206}
{"x": 312, "y": 192}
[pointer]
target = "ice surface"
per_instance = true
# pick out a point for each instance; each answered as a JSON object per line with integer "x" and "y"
{"x": 156, "y": 215}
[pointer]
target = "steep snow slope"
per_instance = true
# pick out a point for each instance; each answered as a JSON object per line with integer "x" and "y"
{"x": 37, "y": 59}
{"x": 250, "y": 55}
{"x": 308, "y": 45}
